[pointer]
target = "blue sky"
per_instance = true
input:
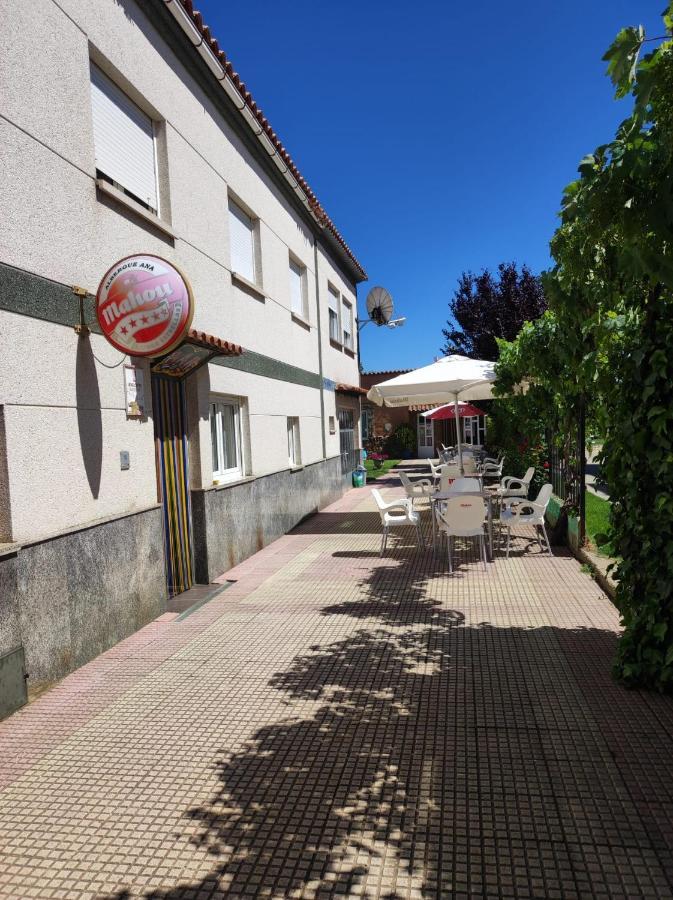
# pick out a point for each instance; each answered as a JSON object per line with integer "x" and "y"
{"x": 437, "y": 135}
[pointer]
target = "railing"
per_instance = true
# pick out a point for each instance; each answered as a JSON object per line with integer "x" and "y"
{"x": 350, "y": 457}
{"x": 567, "y": 467}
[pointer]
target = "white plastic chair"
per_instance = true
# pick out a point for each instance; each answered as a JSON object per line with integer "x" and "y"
{"x": 397, "y": 512}
{"x": 419, "y": 487}
{"x": 518, "y": 512}
{"x": 462, "y": 516}
{"x": 436, "y": 469}
{"x": 447, "y": 454}
{"x": 449, "y": 474}
{"x": 491, "y": 469}
{"x": 516, "y": 487}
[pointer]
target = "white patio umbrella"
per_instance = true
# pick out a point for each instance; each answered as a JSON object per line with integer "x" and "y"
{"x": 449, "y": 379}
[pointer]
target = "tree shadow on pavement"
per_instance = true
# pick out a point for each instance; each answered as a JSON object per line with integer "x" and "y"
{"x": 426, "y": 758}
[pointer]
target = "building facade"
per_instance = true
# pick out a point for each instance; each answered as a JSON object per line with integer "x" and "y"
{"x": 380, "y": 422}
{"x": 123, "y": 480}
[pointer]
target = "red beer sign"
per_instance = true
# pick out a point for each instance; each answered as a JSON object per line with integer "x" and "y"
{"x": 144, "y": 305}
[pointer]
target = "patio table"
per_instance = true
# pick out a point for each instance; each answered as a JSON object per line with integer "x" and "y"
{"x": 445, "y": 495}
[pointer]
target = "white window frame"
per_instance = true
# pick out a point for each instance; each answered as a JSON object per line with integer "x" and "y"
{"x": 347, "y": 324}
{"x": 477, "y": 430}
{"x": 367, "y": 423}
{"x": 426, "y": 430}
{"x": 244, "y": 216}
{"x": 298, "y": 269}
{"x": 293, "y": 442}
{"x": 334, "y": 314}
{"x": 109, "y": 101}
{"x": 474, "y": 430}
{"x": 220, "y": 474}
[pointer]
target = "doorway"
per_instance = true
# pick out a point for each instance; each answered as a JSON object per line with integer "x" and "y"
{"x": 426, "y": 437}
{"x": 347, "y": 439}
{"x": 172, "y": 451}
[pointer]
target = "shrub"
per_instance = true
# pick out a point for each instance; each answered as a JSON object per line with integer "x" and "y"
{"x": 402, "y": 441}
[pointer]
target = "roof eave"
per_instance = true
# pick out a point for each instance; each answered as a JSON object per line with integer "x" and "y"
{"x": 198, "y": 34}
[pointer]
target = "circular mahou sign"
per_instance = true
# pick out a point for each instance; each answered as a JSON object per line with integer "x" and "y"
{"x": 144, "y": 305}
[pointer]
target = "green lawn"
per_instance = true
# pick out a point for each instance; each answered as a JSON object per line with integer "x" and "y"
{"x": 598, "y": 520}
{"x": 373, "y": 472}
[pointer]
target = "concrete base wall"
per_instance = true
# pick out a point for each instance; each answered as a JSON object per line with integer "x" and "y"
{"x": 233, "y": 522}
{"x": 572, "y": 535}
{"x": 69, "y": 598}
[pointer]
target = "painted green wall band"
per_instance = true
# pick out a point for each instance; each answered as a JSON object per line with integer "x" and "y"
{"x": 40, "y": 298}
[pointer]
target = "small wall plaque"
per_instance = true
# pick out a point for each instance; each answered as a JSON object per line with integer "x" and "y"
{"x": 125, "y": 459}
{"x": 134, "y": 386}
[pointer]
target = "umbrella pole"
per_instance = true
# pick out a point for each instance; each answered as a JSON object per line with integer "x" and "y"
{"x": 460, "y": 449}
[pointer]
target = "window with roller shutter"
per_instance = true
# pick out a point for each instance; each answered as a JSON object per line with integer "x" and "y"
{"x": 123, "y": 141}
{"x": 243, "y": 241}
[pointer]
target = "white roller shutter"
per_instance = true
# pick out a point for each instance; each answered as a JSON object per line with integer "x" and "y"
{"x": 123, "y": 139}
{"x": 241, "y": 232}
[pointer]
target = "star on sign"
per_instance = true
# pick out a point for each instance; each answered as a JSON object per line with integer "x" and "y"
{"x": 133, "y": 323}
{"x": 125, "y": 331}
{"x": 144, "y": 319}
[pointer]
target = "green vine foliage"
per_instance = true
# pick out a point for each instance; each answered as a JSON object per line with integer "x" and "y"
{"x": 608, "y": 337}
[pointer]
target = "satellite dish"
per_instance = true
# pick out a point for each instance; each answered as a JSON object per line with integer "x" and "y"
{"x": 379, "y": 305}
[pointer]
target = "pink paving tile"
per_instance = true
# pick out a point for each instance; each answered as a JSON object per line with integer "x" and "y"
{"x": 337, "y": 724}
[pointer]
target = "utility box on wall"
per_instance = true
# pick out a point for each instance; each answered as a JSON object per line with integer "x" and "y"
{"x": 13, "y": 692}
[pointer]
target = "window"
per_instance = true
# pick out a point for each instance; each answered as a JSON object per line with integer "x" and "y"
{"x": 123, "y": 141}
{"x": 293, "y": 441}
{"x": 333, "y": 306}
{"x": 347, "y": 323}
{"x": 298, "y": 299}
{"x": 332, "y": 425}
{"x": 225, "y": 439}
{"x": 244, "y": 238}
{"x": 367, "y": 423}
{"x": 474, "y": 430}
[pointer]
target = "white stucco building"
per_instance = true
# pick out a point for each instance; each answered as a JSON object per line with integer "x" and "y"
{"x": 125, "y": 130}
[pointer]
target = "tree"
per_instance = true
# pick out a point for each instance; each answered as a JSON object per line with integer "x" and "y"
{"x": 486, "y": 308}
{"x": 611, "y": 296}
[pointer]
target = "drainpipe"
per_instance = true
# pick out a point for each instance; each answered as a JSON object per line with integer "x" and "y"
{"x": 322, "y": 383}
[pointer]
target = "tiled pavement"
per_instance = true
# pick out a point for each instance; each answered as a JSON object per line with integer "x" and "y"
{"x": 334, "y": 724}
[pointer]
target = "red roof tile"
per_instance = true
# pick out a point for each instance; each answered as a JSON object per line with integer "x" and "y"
{"x": 318, "y": 211}
{"x": 224, "y": 348}
{"x": 350, "y": 389}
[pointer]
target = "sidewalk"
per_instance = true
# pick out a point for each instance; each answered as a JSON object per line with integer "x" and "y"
{"x": 336, "y": 724}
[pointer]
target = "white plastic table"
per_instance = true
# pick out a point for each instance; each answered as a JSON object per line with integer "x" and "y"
{"x": 445, "y": 495}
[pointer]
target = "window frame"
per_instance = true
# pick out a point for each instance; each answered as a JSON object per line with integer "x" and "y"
{"x": 95, "y": 71}
{"x": 295, "y": 263}
{"x": 367, "y": 423}
{"x": 233, "y": 473}
{"x": 347, "y": 307}
{"x": 425, "y": 428}
{"x": 293, "y": 442}
{"x": 333, "y": 293}
{"x": 245, "y": 212}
